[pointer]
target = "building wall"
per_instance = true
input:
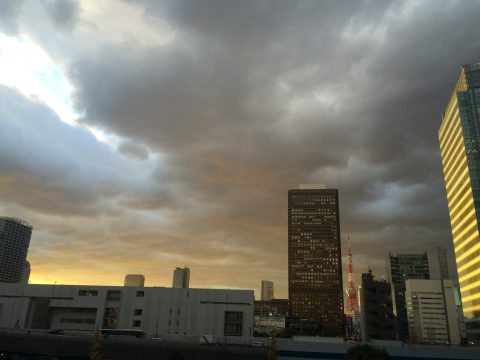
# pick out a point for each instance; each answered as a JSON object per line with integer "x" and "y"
{"x": 315, "y": 282}
{"x": 267, "y": 290}
{"x": 432, "y": 312}
{"x": 14, "y": 242}
{"x": 377, "y": 320}
{"x": 401, "y": 267}
{"x": 459, "y": 137}
{"x": 154, "y": 310}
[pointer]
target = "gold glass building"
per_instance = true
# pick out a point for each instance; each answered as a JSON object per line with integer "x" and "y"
{"x": 459, "y": 137}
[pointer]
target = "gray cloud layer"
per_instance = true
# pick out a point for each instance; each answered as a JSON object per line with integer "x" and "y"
{"x": 247, "y": 101}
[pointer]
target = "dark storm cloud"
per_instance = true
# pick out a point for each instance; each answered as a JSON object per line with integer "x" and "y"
{"x": 250, "y": 98}
{"x": 63, "y": 12}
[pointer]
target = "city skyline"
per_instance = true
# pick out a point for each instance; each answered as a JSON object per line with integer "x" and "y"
{"x": 134, "y": 134}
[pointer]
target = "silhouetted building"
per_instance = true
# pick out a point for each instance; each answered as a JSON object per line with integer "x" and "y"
{"x": 459, "y": 137}
{"x": 267, "y": 290}
{"x": 376, "y": 309}
{"x": 136, "y": 280}
{"x": 315, "y": 285}
{"x": 181, "y": 278}
{"x": 272, "y": 307}
{"x": 14, "y": 242}
{"x": 401, "y": 267}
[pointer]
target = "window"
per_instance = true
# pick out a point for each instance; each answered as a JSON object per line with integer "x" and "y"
{"x": 114, "y": 295}
{"x": 87, "y": 292}
{"x": 140, "y": 293}
{"x": 138, "y": 312}
{"x": 233, "y": 325}
{"x": 137, "y": 323}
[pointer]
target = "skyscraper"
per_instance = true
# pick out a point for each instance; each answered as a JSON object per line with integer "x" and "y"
{"x": 14, "y": 241}
{"x": 315, "y": 285}
{"x": 267, "y": 290}
{"x": 459, "y": 137}
{"x": 136, "y": 280}
{"x": 401, "y": 267}
{"x": 181, "y": 278}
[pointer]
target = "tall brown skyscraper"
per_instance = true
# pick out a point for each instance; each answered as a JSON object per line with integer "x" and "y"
{"x": 315, "y": 286}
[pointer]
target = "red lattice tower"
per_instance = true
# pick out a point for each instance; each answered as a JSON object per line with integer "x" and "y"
{"x": 352, "y": 300}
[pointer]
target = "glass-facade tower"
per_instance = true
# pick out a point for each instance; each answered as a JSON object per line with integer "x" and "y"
{"x": 459, "y": 137}
{"x": 315, "y": 286}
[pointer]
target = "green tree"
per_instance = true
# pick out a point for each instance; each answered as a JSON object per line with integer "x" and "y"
{"x": 96, "y": 353}
{"x": 366, "y": 352}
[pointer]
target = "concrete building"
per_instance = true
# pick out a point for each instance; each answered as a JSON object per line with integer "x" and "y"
{"x": 315, "y": 285}
{"x": 181, "y": 278}
{"x": 459, "y": 137}
{"x": 14, "y": 241}
{"x": 432, "y": 312}
{"x": 157, "y": 311}
{"x": 401, "y": 267}
{"x": 376, "y": 309}
{"x": 267, "y": 290}
{"x": 135, "y": 280}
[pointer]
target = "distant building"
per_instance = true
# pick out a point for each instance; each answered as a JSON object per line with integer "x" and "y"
{"x": 439, "y": 264}
{"x": 157, "y": 311}
{"x": 181, "y": 278}
{"x": 26, "y": 273}
{"x": 315, "y": 284}
{"x": 267, "y": 290}
{"x": 376, "y": 309}
{"x": 15, "y": 237}
{"x": 432, "y": 312}
{"x": 401, "y": 267}
{"x": 459, "y": 137}
{"x": 136, "y": 280}
{"x": 272, "y": 307}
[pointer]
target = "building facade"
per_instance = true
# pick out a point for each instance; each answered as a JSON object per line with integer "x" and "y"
{"x": 181, "y": 278}
{"x": 432, "y": 312}
{"x": 376, "y": 309}
{"x": 267, "y": 290}
{"x": 315, "y": 284}
{"x": 401, "y": 267}
{"x": 15, "y": 237}
{"x": 157, "y": 311}
{"x": 459, "y": 137}
{"x": 136, "y": 280}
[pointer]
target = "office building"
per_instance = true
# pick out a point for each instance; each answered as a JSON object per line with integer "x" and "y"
{"x": 14, "y": 241}
{"x": 181, "y": 278}
{"x": 376, "y": 309}
{"x": 267, "y": 290}
{"x": 315, "y": 285}
{"x": 432, "y": 313}
{"x": 401, "y": 267}
{"x": 459, "y": 137}
{"x": 136, "y": 280}
{"x": 155, "y": 310}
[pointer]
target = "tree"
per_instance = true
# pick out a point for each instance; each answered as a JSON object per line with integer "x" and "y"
{"x": 366, "y": 352}
{"x": 96, "y": 353}
{"x": 272, "y": 349}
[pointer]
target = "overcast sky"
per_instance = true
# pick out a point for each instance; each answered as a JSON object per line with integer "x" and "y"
{"x": 136, "y": 136}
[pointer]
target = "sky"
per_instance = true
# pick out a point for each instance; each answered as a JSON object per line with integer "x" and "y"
{"x": 136, "y": 136}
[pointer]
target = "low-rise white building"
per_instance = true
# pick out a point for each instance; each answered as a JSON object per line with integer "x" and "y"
{"x": 432, "y": 312}
{"x": 155, "y": 310}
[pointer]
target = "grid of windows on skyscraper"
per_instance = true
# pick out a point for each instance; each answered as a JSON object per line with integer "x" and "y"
{"x": 314, "y": 259}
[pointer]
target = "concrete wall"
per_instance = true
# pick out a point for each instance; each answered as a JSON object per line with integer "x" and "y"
{"x": 158, "y": 311}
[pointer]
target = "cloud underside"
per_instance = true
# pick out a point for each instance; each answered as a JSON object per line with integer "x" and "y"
{"x": 231, "y": 105}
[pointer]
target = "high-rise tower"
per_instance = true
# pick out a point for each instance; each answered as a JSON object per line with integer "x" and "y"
{"x": 315, "y": 285}
{"x": 14, "y": 241}
{"x": 181, "y": 278}
{"x": 352, "y": 312}
{"x": 459, "y": 137}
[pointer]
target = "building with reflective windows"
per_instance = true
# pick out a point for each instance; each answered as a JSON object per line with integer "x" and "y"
{"x": 315, "y": 286}
{"x": 14, "y": 242}
{"x": 459, "y": 137}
